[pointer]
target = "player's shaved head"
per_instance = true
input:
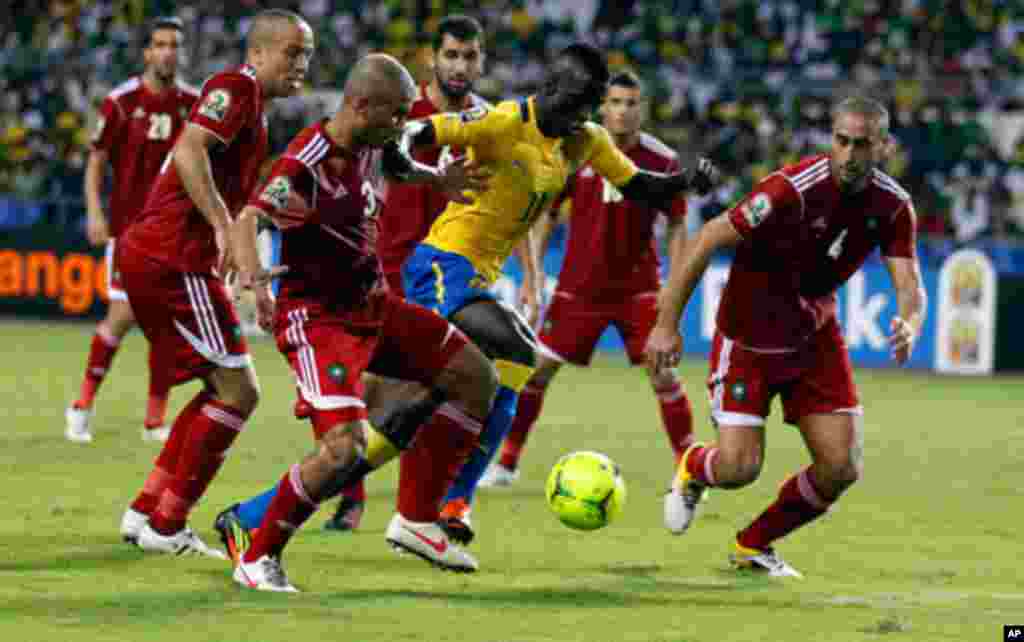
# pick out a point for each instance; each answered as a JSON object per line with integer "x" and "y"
{"x": 869, "y": 108}
{"x": 269, "y": 26}
{"x": 377, "y": 75}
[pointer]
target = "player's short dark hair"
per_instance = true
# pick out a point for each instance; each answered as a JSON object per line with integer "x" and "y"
{"x": 591, "y": 58}
{"x": 163, "y": 22}
{"x": 626, "y": 78}
{"x": 864, "y": 106}
{"x": 461, "y": 27}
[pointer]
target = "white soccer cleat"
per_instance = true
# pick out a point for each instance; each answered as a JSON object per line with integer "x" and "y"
{"x": 265, "y": 574}
{"x": 683, "y": 498}
{"x": 427, "y": 541}
{"x": 77, "y": 428}
{"x": 131, "y": 525}
{"x": 184, "y": 542}
{"x": 158, "y": 434}
{"x": 762, "y": 561}
{"x": 497, "y": 475}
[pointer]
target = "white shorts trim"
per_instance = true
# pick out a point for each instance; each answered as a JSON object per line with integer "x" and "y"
{"x": 724, "y": 418}
{"x": 113, "y": 294}
{"x": 856, "y": 410}
{"x": 329, "y": 402}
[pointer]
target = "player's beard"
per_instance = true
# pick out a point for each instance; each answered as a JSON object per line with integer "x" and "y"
{"x": 450, "y": 92}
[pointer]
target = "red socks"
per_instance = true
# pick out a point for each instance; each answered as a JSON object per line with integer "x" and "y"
{"x": 676, "y": 416}
{"x": 531, "y": 400}
{"x": 289, "y": 509}
{"x": 799, "y": 503}
{"x": 433, "y": 461}
{"x": 101, "y": 354}
{"x": 356, "y": 492}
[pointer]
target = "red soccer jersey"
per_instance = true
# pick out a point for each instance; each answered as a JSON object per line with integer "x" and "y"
{"x": 803, "y": 238}
{"x": 329, "y": 242}
{"x": 137, "y": 128}
{"x": 611, "y": 253}
{"x": 411, "y": 208}
{"x": 171, "y": 229}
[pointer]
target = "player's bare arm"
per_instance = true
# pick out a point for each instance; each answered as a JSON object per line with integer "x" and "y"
{"x": 96, "y": 228}
{"x": 251, "y": 273}
{"x": 527, "y": 251}
{"x": 454, "y": 179}
{"x": 191, "y": 157}
{"x": 910, "y": 301}
{"x": 665, "y": 343}
{"x": 659, "y": 190}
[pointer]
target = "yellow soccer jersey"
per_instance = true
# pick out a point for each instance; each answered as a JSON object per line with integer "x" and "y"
{"x": 529, "y": 171}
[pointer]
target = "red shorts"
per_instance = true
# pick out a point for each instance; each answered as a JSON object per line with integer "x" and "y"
{"x": 115, "y": 288}
{"x": 394, "y": 281}
{"x": 188, "y": 318}
{"x": 329, "y": 351}
{"x": 816, "y": 379}
{"x": 572, "y": 326}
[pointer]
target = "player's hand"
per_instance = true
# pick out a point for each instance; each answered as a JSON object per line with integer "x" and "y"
{"x": 265, "y": 308}
{"x": 462, "y": 175}
{"x": 704, "y": 176}
{"x": 96, "y": 229}
{"x": 664, "y": 346}
{"x": 901, "y": 340}
{"x": 259, "y": 278}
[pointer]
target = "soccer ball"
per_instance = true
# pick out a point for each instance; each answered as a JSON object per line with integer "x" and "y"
{"x": 585, "y": 490}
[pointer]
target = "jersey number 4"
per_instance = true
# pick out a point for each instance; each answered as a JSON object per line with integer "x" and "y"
{"x": 836, "y": 248}
{"x": 159, "y": 127}
{"x": 609, "y": 193}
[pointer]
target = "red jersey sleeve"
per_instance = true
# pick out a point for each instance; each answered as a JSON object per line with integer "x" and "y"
{"x": 767, "y": 207}
{"x": 285, "y": 197}
{"x": 227, "y": 104}
{"x": 107, "y": 125}
{"x": 898, "y": 235}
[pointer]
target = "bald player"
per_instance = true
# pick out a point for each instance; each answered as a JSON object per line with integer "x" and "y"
{"x": 172, "y": 259}
{"x": 334, "y": 318}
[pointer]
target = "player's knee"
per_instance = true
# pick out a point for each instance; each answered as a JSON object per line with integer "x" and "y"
{"x": 735, "y": 470}
{"x": 545, "y": 373}
{"x": 341, "y": 444}
{"x": 662, "y": 379}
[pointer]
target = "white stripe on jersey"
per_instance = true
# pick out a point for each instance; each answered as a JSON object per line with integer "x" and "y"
{"x": 810, "y": 169}
{"x": 886, "y": 182}
{"x": 808, "y": 181}
{"x": 314, "y": 150}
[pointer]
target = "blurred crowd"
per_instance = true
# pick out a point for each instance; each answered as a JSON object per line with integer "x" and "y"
{"x": 747, "y": 82}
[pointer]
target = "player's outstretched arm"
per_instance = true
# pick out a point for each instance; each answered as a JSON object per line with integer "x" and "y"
{"x": 665, "y": 344}
{"x": 659, "y": 190}
{"x": 911, "y": 300}
{"x": 453, "y": 179}
{"x": 96, "y": 227}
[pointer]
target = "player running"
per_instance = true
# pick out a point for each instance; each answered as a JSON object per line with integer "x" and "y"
{"x": 410, "y": 208}
{"x": 333, "y": 320}
{"x": 609, "y": 277}
{"x": 533, "y": 146}
{"x": 798, "y": 236}
{"x": 171, "y": 262}
{"x": 137, "y": 125}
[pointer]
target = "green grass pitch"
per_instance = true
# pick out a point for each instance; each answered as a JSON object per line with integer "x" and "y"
{"x": 925, "y": 548}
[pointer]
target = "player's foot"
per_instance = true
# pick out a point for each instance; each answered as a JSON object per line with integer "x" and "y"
{"x": 77, "y": 428}
{"x": 498, "y": 475}
{"x": 184, "y": 542}
{"x": 762, "y": 561}
{"x": 265, "y": 574}
{"x": 233, "y": 535}
{"x": 156, "y": 433}
{"x": 131, "y": 524}
{"x": 683, "y": 498}
{"x": 455, "y": 521}
{"x": 427, "y": 541}
{"x": 347, "y": 517}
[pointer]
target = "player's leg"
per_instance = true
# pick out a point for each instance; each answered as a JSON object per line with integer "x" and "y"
{"x": 635, "y": 321}
{"x": 104, "y": 346}
{"x": 740, "y": 400}
{"x": 569, "y": 332}
{"x": 823, "y": 403}
{"x": 508, "y": 341}
{"x": 193, "y": 330}
{"x": 154, "y": 427}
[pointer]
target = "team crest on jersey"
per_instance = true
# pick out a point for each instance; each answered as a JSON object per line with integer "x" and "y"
{"x": 336, "y": 372}
{"x": 216, "y": 104}
{"x": 277, "y": 192}
{"x": 757, "y": 209}
{"x": 476, "y": 113}
{"x": 101, "y": 122}
{"x": 739, "y": 391}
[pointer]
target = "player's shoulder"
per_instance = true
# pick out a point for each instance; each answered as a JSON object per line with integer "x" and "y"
{"x": 187, "y": 90}
{"x": 887, "y": 190}
{"x": 799, "y": 177}
{"x": 309, "y": 146}
{"x": 126, "y": 90}
{"x": 504, "y": 118}
{"x": 242, "y": 77}
{"x": 651, "y": 150}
